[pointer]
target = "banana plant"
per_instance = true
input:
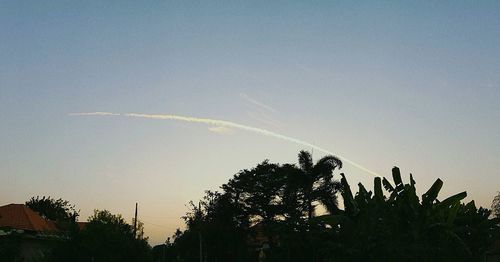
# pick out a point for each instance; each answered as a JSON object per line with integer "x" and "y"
{"x": 398, "y": 216}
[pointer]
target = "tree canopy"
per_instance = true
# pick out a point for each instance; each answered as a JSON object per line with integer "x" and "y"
{"x": 53, "y": 209}
{"x": 495, "y": 206}
{"x": 268, "y": 213}
{"x": 291, "y": 212}
{"x": 105, "y": 237}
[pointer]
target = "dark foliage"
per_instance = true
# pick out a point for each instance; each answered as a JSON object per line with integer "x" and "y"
{"x": 495, "y": 206}
{"x": 58, "y": 210}
{"x": 106, "y": 237}
{"x": 401, "y": 227}
{"x": 213, "y": 224}
{"x": 10, "y": 247}
{"x": 269, "y": 204}
{"x": 269, "y": 212}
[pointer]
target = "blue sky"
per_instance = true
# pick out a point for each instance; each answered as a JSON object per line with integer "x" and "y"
{"x": 411, "y": 84}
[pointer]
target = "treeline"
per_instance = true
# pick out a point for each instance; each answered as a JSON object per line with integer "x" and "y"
{"x": 290, "y": 212}
{"x": 104, "y": 237}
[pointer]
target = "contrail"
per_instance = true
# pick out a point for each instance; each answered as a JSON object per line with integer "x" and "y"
{"x": 94, "y": 114}
{"x": 257, "y": 103}
{"x": 218, "y": 122}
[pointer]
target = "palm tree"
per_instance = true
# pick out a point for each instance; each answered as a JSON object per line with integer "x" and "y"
{"x": 318, "y": 183}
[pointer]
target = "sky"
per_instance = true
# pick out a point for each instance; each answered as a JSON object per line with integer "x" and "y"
{"x": 408, "y": 84}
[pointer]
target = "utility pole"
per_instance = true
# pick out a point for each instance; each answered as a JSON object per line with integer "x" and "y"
{"x": 199, "y": 234}
{"x": 135, "y": 221}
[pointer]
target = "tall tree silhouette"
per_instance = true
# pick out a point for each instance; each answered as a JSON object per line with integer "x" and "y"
{"x": 258, "y": 191}
{"x": 318, "y": 183}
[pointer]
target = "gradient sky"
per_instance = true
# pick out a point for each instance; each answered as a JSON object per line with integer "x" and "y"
{"x": 411, "y": 84}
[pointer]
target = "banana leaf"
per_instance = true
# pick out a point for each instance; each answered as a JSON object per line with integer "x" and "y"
{"x": 379, "y": 195}
{"x": 396, "y": 176}
{"x": 453, "y": 199}
{"x": 433, "y": 192}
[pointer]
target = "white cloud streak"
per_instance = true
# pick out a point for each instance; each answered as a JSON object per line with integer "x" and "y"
{"x": 221, "y": 130}
{"x": 229, "y": 124}
{"x": 93, "y": 114}
{"x": 265, "y": 119}
{"x": 257, "y": 103}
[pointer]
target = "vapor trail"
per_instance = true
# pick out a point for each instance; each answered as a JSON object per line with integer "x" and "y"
{"x": 217, "y": 122}
{"x": 93, "y": 114}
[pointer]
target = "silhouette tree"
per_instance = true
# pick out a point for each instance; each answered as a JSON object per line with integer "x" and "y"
{"x": 140, "y": 229}
{"x": 318, "y": 183}
{"x": 495, "y": 206}
{"x": 106, "y": 237}
{"x": 270, "y": 208}
{"x": 292, "y": 196}
{"x": 212, "y": 223}
{"x": 53, "y": 209}
{"x": 475, "y": 228}
{"x": 401, "y": 227}
{"x": 258, "y": 192}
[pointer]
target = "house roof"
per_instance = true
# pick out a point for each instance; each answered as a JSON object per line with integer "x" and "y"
{"x": 19, "y": 216}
